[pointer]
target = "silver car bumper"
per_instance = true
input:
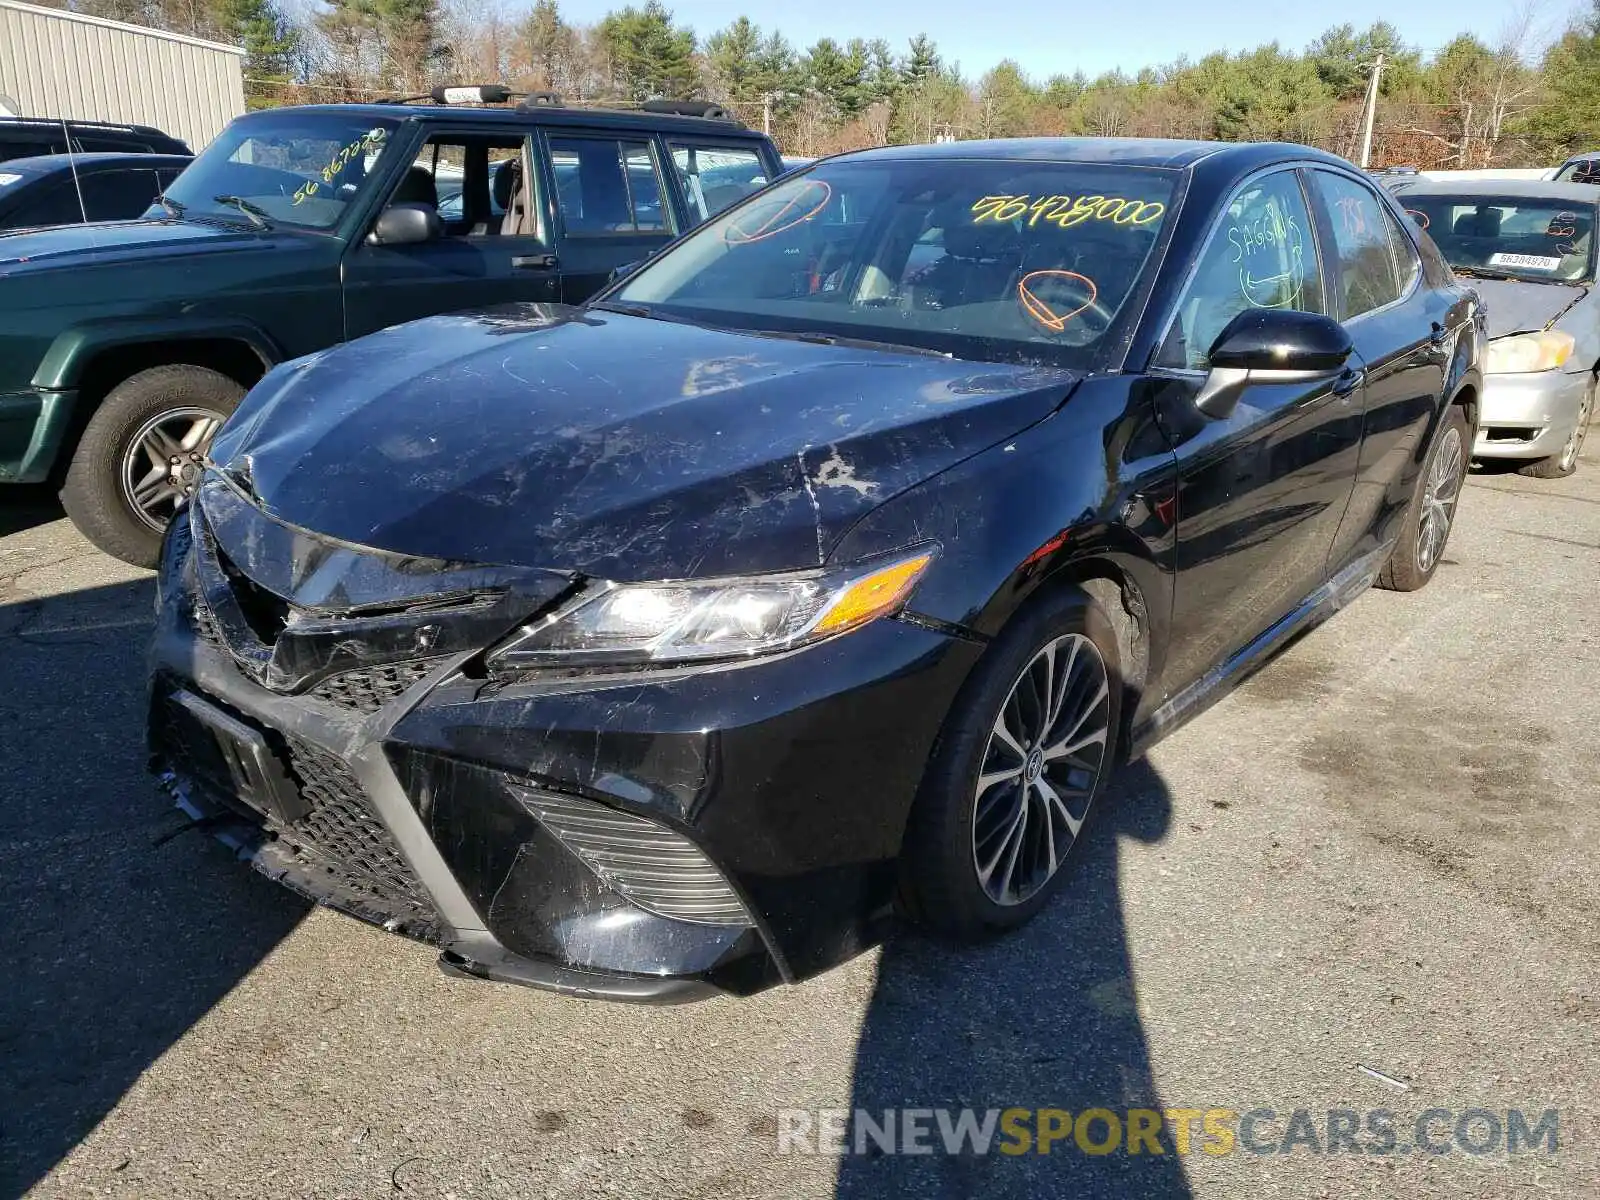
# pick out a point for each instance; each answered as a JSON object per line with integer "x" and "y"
{"x": 1528, "y": 415}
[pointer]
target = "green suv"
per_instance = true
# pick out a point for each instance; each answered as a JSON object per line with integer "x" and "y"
{"x": 124, "y": 345}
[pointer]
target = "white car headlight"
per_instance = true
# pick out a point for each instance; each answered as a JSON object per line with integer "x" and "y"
{"x": 1528, "y": 352}
{"x": 640, "y": 624}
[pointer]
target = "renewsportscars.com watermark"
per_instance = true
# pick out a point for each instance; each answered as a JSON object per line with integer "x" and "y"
{"x": 1149, "y": 1131}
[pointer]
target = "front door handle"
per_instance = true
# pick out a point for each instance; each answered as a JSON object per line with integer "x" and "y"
{"x": 1350, "y": 379}
{"x": 1436, "y": 338}
{"x": 534, "y": 262}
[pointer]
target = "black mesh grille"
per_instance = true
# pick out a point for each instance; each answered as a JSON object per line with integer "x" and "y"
{"x": 343, "y": 827}
{"x": 339, "y": 851}
{"x": 370, "y": 688}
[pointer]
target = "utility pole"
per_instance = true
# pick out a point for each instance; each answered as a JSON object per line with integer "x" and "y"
{"x": 1371, "y": 111}
{"x": 766, "y": 113}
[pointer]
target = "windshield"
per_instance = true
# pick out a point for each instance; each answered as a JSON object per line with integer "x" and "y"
{"x": 293, "y": 168}
{"x": 998, "y": 261}
{"x": 1514, "y": 236}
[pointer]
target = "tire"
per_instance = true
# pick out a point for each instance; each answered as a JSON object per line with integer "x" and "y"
{"x": 1421, "y": 546}
{"x": 179, "y": 406}
{"x": 950, "y": 834}
{"x": 1559, "y": 466}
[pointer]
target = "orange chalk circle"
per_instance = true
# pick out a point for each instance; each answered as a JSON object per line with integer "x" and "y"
{"x": 812, "y": 189}
{"x": 1042, "y": 312}
{"x": 1421, "y": 218}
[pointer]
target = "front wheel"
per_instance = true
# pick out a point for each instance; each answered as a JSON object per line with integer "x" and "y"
{"x": 1023, "y": 756}
{"x": 141, "y": 455}
{"x": 1432, "y": 511}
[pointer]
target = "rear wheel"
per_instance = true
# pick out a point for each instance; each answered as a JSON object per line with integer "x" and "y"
{"x": 1558, "y": 466}
{"x": 1023, "y": 756}
{"x": 141, "y": 455}
{"x": 1432, "y": 512}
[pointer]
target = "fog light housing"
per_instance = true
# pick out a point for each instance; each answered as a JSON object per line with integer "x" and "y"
{"x": 651, "y": 866}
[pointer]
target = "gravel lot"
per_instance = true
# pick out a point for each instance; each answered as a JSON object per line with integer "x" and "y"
{"x": 1379, "y": 852}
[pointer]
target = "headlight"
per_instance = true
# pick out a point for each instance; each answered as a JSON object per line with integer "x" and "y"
{"x": 1528, "y": 352}
{"x": 656, "y": 623}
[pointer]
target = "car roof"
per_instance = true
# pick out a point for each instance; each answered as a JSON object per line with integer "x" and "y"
{"x": 1133, "y": 152}
{"x": 1532, "y": 189}
{"x": 541, "y": 114}
{"x": 40, "y": 165}
{"x": 75, "y": 123}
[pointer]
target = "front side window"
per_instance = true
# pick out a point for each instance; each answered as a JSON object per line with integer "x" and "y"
{"x": 291, "y": 167}
{"x": 118, "y": 195}
{"x": 53, "y": 204}
{"x": 472, "y": 180}
{"x": 995, "y": 261}
{"x": 714, "y": 177}
{"x": 607, "y": 186}
{"x": 1517, "y": 237}
{"x": 1365, "y": 266}
{"x": 1261, "y": 255}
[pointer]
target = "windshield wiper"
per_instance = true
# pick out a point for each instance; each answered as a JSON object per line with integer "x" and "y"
{"x": 1481, "y": 273}
{"x": 258, "y": 216}
{"x": 854, "y": 343}
{"x": 170, "y": 206}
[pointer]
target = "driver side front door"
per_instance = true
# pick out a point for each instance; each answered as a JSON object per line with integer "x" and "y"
{"x": 1261, "y": 491}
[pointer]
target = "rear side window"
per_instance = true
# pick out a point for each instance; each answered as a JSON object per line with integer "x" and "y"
{"x": 123, "y": 145}
{"x": 607, "y": 186}
{"x": 119, "y": 195}
{"x": 28, "y": 147}
{"x": 714, "y": 177}
{"x": 1365, "y": 268}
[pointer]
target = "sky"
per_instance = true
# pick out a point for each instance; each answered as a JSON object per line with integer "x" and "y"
{"x": 1048, "y": 36}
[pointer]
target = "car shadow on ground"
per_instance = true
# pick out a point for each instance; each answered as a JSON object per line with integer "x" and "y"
{"x": 24, "y": 506}
{"x": 1044, "y": 1018}
{"x": 119, "y": 933}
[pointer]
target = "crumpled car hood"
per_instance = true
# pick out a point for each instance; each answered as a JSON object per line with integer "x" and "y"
{"x": 1512, "y": 306}
{"x": 619, "y": 446}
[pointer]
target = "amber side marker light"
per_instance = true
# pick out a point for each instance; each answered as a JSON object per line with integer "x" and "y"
{"x": 872, "y": 596}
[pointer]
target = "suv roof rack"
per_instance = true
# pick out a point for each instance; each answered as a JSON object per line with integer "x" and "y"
{"x": 499, "y": 93}
{"x": 706, "y": 109}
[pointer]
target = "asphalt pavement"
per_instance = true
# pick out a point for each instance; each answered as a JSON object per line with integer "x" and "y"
{"x": 1367, "y": 881}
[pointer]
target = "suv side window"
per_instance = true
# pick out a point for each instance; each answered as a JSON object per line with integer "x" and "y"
{"x": 607, "y": 186}
{"x": 54, "y": 204}
{"x": 714, "y": 177}
{"x": 1365, "y": 267}
{"x": 118, "y": 195}
{"x": 1263, "y": 255}
{"x": 474, "y": 182}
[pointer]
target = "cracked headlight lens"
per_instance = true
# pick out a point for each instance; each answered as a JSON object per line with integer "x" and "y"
{"x": 658, "y": 623}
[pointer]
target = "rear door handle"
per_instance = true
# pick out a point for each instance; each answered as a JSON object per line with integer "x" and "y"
{"x": 534, "y": 262}
{"x": 1349, "y": 380}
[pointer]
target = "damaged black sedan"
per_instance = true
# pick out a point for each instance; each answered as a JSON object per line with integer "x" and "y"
{"x": 821, "y": 570}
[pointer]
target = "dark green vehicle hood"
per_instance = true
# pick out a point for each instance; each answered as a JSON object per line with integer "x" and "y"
{"x": 101, "y": 243}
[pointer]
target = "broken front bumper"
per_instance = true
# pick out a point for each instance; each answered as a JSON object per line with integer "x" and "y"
{"x": 656, "y": 837}
{"x": 1529, "y": 415}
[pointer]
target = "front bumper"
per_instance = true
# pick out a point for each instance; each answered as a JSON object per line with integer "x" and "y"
{"x": 1529, "y": 415}
{"x": 793, "y": 775}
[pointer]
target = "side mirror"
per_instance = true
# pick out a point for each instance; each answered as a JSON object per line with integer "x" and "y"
{"x": 406, "y": 225}
{"x": 1271, "y": 345}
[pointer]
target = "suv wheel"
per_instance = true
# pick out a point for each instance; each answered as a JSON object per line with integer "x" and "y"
{"x": 141, "y": 455}
{"x": 1024, "y": 754}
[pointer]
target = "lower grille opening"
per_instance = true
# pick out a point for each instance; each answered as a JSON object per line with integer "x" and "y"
{"x": 338, "y": 850}
{"x": 370, "y": 688}
{"x": 1511, "y": 433}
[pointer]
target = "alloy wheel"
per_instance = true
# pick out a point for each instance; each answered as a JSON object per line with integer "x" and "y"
{"x": 1574, "y": 446}
{"x": 162, "y": 464}
{"x": 1439, "y": 499}
{"x": 1046, "y": 753}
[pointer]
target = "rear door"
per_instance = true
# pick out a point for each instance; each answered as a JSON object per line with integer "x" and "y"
{"x": 470, "y": 177}
{"x": 1400, "y": 329}
{"x": 1262, "y": 490}
{"x": 608, "y": 201}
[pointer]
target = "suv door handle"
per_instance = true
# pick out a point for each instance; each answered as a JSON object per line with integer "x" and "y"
{"x": 1350, "y": 379}
{"x": 534, "y": 262}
